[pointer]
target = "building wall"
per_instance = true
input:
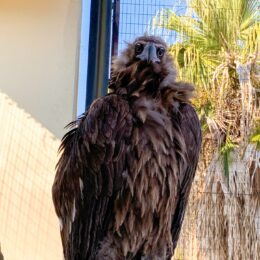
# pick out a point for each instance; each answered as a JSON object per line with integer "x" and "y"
{"x": 39, "y": 43}
{"x": 29, "y": 228}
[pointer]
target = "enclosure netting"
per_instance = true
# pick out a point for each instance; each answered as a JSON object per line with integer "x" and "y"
{"x": 29, "y": 228}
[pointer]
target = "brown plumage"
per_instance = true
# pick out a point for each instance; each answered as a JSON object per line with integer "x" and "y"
{"x": 127, "y": 165}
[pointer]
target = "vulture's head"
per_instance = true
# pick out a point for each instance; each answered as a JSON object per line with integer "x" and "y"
{"x": 144, "y": 66}
{"x": 150, "y": 51}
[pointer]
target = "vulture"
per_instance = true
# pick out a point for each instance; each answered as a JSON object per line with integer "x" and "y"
{"x": 127, "y": 164}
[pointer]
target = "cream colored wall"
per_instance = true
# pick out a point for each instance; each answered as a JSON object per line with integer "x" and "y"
{"x": 39, "y": 41}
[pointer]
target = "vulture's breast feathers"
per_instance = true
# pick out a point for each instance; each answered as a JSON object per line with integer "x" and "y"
{"x": 146, "y": 203}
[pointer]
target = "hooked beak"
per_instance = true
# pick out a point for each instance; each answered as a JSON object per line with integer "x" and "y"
{"x": 149, "y": 53}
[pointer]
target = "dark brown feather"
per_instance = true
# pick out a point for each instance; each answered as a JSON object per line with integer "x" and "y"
{"x": 190, "y": 129}
{"x": 93, "y": 152}
{"x": 127, "y": 166}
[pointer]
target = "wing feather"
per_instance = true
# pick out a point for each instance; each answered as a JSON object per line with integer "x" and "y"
{"x": 191, "y": 131}
{"x": 89, "y": 174}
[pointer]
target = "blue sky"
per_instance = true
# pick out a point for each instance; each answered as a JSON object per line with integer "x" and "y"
{"x": 135, "y": 19}
{"x": 83, "y": 65}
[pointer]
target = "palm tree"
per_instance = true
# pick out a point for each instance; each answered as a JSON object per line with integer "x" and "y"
{"x": 217, "y": 49}
{"x": 216, "y": 36}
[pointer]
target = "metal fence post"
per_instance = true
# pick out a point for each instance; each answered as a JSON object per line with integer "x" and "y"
{"x": 99, "y": 49}
{"x": 115, "y": 33}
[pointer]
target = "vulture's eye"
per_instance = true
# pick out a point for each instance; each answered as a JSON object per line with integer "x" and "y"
{"x": 160, "y": 52}
{"x": 139, "y": 48}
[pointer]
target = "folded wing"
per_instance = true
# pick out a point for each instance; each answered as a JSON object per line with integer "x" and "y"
{"x": 190, "y": 129}
{"x": 88, "y": 175}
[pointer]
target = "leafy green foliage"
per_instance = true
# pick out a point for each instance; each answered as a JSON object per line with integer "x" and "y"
{"x": 225, "y": 151}
{"x": 255, "y": 138}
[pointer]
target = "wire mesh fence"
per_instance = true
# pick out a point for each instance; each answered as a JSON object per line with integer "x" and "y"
{"x": 136, "y": 18}
{"x": 28, "y": 154}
